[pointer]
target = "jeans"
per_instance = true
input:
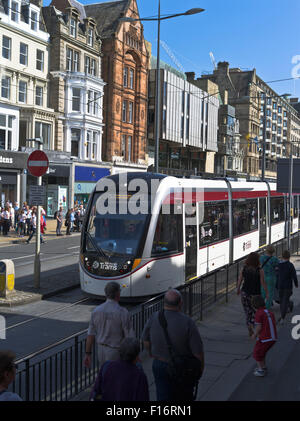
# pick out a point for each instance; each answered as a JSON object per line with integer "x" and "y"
{"x": 32, "y": 234}
{"x": 284, "y": 296}
{"x": 166, "y": 389}
{"x": 58, "y": 228}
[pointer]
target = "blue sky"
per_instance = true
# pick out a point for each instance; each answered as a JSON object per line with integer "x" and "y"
{"x": 256, "y": 33}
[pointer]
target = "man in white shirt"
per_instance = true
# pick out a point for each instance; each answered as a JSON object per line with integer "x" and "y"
{"x": 109, "y": 325}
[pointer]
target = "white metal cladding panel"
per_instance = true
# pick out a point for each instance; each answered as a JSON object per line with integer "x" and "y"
{"x": 277, "y": 232}
{"x": 175, "y": 87}
{"x": 248, "y": 186}
{"x": 245, "y": 244}
{"x": 212, "y": 131}
{"x": 196, "y": 104}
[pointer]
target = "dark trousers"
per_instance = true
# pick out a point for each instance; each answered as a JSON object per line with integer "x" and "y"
{"x": 5, "y": 226}
{"x": 166, "y": 389}
{"x": 284, "y": 296}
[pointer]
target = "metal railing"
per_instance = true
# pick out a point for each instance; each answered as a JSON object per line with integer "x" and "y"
{"x": 56, "y": 373}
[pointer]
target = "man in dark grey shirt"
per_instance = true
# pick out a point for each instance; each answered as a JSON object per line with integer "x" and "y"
{"x": 185, "y": 339}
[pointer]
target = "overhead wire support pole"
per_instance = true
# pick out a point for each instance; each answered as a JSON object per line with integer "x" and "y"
{"x": 157, "y": 103}
{"x": 263, "y": 161}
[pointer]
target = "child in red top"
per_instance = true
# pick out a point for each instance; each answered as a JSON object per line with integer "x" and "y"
{"x": 265, "y": 330}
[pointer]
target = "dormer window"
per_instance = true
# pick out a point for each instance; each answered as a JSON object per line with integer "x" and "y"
{"x": 90, "y": 38}
{"x": 34, "y": 20}
{"x": 15, "y": 11}
{"x": 73, "y": 27}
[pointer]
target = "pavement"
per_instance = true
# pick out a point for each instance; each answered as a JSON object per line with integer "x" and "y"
{"x": 228, "y": 349}
{"x": 28, "y": 293}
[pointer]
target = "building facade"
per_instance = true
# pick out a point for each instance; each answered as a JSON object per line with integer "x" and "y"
{"x": 188, "y": 124}
{"x": 76, "y": 95}
{"x": 124, "y": 70}
{"x": 260, "y": 124}
{"x": 24, "y": 109}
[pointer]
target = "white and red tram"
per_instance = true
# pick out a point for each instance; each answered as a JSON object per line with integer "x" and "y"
{"x": 192, "y": 226}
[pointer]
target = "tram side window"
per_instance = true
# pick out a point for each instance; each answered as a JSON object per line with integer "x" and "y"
{"x": 168, "y": 234}
{"x": 245, "y": 216}
{"x": 277, "y": 209}
{"x": 215, "y": 224}
{"x": 295, "y": 206}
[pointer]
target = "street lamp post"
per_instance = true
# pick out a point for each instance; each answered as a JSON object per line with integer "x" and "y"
{"x": 157, "y": 87}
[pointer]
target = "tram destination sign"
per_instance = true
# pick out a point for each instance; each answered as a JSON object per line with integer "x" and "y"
{"x": 37, "y": 195}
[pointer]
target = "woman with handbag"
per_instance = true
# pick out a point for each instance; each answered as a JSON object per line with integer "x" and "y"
{"x": 269, "y": 264}
{"x": 253, "y": 280}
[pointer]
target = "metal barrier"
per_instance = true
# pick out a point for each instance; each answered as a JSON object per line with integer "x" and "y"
{"x": 57, "y": 372}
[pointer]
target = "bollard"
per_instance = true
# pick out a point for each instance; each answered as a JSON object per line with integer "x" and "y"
{"x": 7, "y": 278}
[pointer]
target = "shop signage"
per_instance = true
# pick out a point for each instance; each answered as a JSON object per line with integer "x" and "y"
{"x": 11, "y": 159}
{"x": 37, "y": 195}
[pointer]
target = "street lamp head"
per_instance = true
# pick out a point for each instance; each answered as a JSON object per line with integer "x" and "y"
{"x": 194, "y": 11}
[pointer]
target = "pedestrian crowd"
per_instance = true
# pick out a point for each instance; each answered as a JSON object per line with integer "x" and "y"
{"x": 263, "y": 281}
{"x": 73, "y": 219}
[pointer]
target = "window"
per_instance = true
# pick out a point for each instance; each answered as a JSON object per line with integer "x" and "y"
{"x": 23, "y": 54}
{"x": 130, "y": 114}
{"x": 72, "y": 60}
{"x": 43, "y": 131}
{"x": 34, "y": 20}
{"x": 90, "y": 66}
{"x": 39, "y": 95}
{"x": 124, "y": 111}
{"x": 88, "y": 145}
{"x": 277, "y": 210}
{"x": 22, "y": 91}
{"x": 94, "y": 145}
{"x": 123, "y": 146}
{"x": 14, "y": 11}
{"x": 73, "y": 27}
{"x": 40, "y": 60}
{"x": 6, "y": 47}
{"x": 131, "y": 78}
{"x": 244, "y": 216}
{"x": 76, "y": 99}
{"x": 125, "y": 76}
{"x": 92, "y": 105}
{"x": 129, "y": 143}
{"x": 5, "y": 87}
{"x": 284, "y": 113}
{"x": 215, "y": 224}
{"x": 279, "y": 109}
{"x": 5, "y": 131}
{"x": 75, "y": 140}
{"x": 90, "y": 37}
{"x": 274, "y": 106}
{"x": 168, "y": 233}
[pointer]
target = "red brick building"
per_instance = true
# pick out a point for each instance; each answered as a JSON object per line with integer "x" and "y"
{"x": 125, "y": 63}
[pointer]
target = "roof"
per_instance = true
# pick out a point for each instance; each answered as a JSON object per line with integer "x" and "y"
{"x": 107, "y": 16}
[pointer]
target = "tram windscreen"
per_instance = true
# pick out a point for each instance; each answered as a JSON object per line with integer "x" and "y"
{"x": 115, "y": 234}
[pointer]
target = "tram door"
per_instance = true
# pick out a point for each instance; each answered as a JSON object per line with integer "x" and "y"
{"x": 190, "y": 243}
{"x": 262, "y": 221}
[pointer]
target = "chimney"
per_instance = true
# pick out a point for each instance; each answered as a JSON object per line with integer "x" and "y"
{"x": 190, "y": 76}
{"x": 223, "y": 67}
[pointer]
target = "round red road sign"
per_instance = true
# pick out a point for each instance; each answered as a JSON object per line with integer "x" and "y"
{"x": 37, "y": 163}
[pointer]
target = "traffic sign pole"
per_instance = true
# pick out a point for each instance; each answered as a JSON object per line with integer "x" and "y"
{"x": 37, "y": 165}
{"x": 37, "y": 260}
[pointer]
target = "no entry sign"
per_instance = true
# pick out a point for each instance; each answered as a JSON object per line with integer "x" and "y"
{"x": 37, "y": 163}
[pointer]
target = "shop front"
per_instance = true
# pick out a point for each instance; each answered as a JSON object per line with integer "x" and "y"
{"x": 85, "y": 179}
{"x": 12, "y": 165}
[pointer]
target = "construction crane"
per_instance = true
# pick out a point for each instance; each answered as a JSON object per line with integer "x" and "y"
{"x": 213, "y": 60}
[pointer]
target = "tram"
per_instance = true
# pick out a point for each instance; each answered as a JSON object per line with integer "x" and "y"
{"x": 184, "y": 228}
